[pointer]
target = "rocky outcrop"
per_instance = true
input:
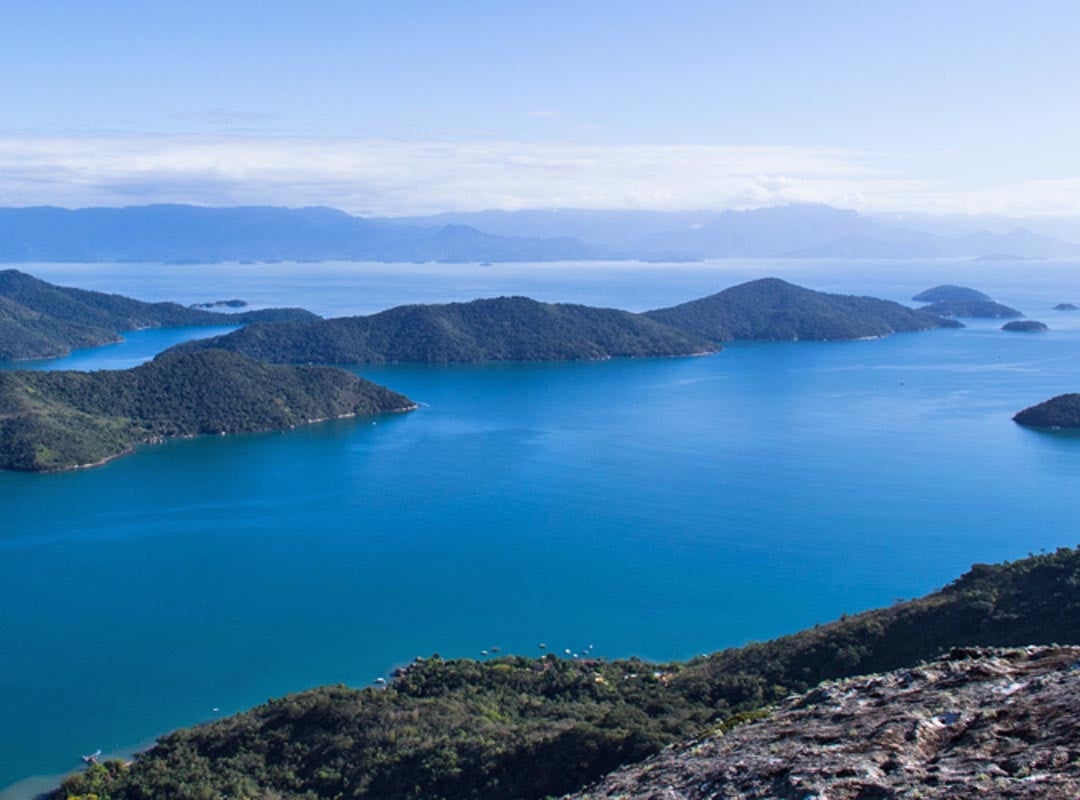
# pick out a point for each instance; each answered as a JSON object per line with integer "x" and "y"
{"x": 978, "y": 723}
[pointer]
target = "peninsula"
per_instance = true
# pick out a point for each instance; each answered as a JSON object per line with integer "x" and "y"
{"x": 41, "y": 320}
{"x": 59, "y": 420}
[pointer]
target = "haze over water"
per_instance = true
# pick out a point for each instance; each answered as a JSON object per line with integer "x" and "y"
{"x": 658, "y": 507}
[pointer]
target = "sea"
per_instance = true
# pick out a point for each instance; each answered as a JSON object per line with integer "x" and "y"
{"x": 652, "y": 507}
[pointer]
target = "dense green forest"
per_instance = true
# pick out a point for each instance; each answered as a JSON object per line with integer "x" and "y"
{"x": 1061, "y": 412}
{"x": 58, "y": 420}
{"x": 516, "y": 728}
{"x": 774, "y": 310}
{"x": 41, "y": 320}
{"x": 498, "y": 329}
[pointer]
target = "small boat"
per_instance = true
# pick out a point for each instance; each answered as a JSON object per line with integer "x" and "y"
{"x": 92, "y": 758}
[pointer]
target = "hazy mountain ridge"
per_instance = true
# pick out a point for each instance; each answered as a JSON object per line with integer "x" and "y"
{"x": 189, "y": 234}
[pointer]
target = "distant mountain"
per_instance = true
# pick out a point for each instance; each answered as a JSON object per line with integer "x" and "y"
{"x": 41, "y": 320}
{"x": 499, "y": 329}
{"x": 192, "y": 234}
{"x": 761, "y": 233}
{"x": 59, "y": 420}
{"x": 791, "y": 231}
{"x": 772, "y": 309}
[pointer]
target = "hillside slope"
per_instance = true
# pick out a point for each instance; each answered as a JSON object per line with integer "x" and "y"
{"x": 58, "y": 420}
{"x": 773, "y": 309}
{"x": 518, "y": 728}
{"x": 498, "y": 329}
{"x": 41, "y": 320}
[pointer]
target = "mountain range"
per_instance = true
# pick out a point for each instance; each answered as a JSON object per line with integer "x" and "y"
{"x": 194, "y": 234}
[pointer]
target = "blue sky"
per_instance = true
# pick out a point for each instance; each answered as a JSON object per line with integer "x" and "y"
{"x": 415, "y": 107}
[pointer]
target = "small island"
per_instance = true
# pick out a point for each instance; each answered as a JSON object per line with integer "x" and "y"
{"x": 1066, "y": 307}
{"x": 1025, "y": 326}
{"x": 221, "y": 304}
{"x": 1057, "y": 413}
{"x": 51, "y": 421}
{"x": 949, "y": 293}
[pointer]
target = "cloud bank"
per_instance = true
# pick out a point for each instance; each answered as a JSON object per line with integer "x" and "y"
{"x": 387, "y": 177}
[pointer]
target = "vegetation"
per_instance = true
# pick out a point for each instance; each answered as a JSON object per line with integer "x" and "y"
{"x": 1025, "y": 326}
{"x": 499, "y": 329}
{"x": 58, "y": 420}
{"x": 948, "y": 293}
{"x": 772, "y": 309}
{"x": 519, "y": 728}
{"x": 1061, "y": 412}
{"x": 972, "y": 309}
{"x": 40, "y": 320}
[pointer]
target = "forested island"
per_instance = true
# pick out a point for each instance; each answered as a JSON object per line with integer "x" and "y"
{"x": 516, "y": 728}
{"x": 521, "y": 329}
{"x": 59, "y": 420}
{"x": 497, "y": 329}
{"x": 771, "y": 309}
{"x": 1061, "y": 413}
{"x": 41, "y": 320}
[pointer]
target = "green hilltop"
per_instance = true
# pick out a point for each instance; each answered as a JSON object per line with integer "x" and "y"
{"x": 516, "y": 728}
{"x": 59, "y": 420}
{"x": 771, "y": 309}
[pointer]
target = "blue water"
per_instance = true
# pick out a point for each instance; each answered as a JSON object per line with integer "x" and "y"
{"x": 660, "y": 507}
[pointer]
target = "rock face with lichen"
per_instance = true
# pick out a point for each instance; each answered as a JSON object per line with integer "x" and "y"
{"x": 978, "y": 723}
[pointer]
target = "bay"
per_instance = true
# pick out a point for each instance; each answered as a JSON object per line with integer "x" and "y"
{"x": 658, "y": 507}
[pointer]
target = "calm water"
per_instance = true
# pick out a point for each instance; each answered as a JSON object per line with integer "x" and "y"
{"x": 657, "y": 507}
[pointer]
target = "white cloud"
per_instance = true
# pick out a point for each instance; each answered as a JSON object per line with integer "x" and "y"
{"x": 378, "y": 176}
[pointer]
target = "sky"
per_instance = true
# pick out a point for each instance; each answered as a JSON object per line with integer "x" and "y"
{"x": 418, "y": 107}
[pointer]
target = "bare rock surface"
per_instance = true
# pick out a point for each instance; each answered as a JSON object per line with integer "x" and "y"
{"x": 978, "y": 723}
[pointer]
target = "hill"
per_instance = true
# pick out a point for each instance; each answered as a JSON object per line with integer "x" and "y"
{"x": 1061, "y": 412}
{"x": 949, "y": 293}
{"x": 191, "y": 234}
{"x": 517, "y": 728}
{"x": 978, "y": 723}
{"x": 498, "y": 329}
{"x": 59, "y": 420}
{"x": 41, "y": 320}
{"x": 773, "y": 309}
